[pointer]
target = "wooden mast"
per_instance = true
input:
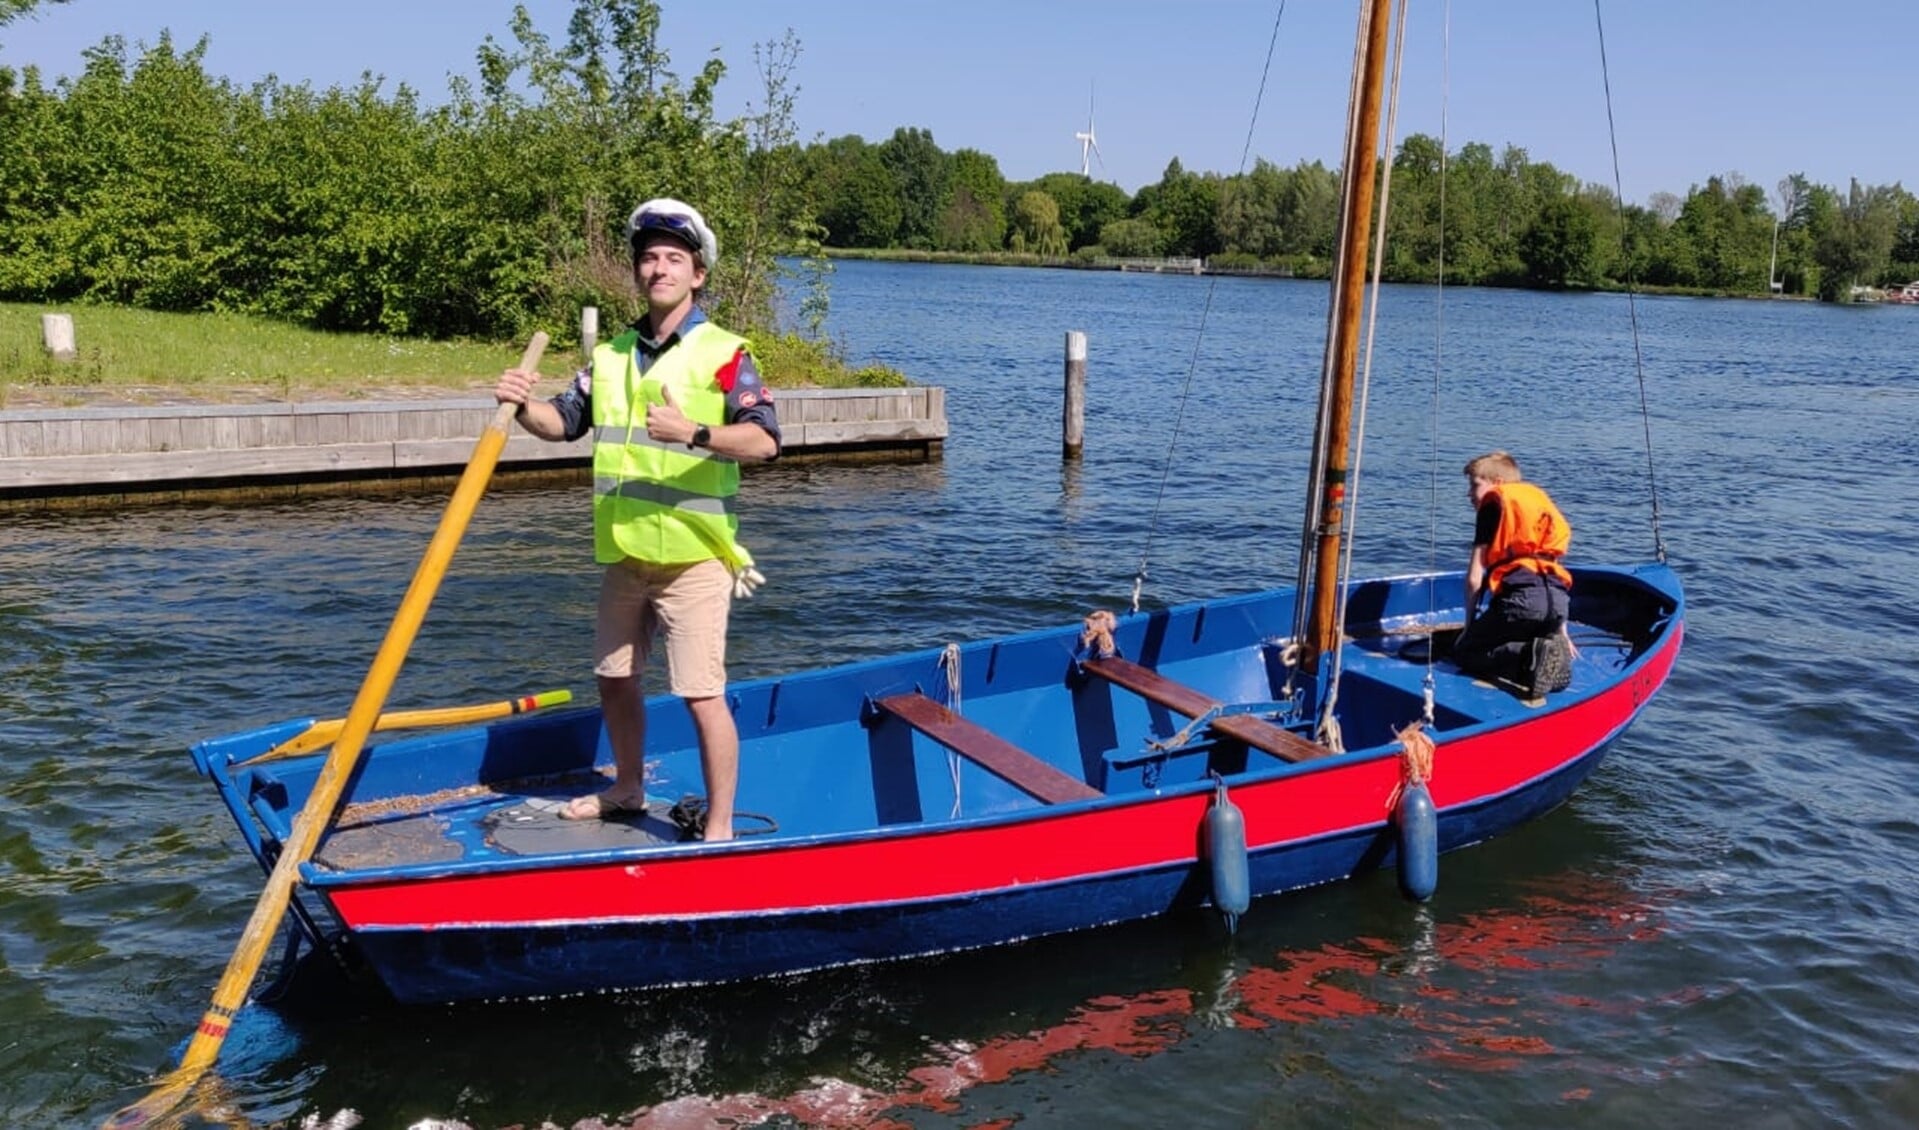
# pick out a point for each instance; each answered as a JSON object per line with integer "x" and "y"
{"x": 1336, "y": 393}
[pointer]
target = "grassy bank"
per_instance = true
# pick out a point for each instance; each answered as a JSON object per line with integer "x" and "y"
{"x": 133, "y": 356}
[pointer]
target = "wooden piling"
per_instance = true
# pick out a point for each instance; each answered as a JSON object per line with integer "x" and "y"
{"x": 1073, "y": 424}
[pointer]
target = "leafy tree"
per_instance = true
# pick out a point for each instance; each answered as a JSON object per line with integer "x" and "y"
{"x": 11, "y": 10}
{"x": 1036, "y": 226}
{"x": 777, "y": 215}
{"x": 1904, "y": 254}
{"x": 1185, "y": 206}
{"x": 923, "y": 172}
{"x": 1853, "y": 242}
{"x": 974, "y": 215}
{"x": 1559, "y": 247}
{"x": 1249, "y": 210}
{"x": 1085, "y": 205}
{"x": 859, "y": 199}
{"x": 1723, "y": 235}
{"x": 1132, "y": 239}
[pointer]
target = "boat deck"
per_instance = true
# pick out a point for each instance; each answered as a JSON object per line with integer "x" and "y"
{"x": 1382, "y": 689}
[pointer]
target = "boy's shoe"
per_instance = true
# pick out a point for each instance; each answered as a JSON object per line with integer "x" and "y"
{"x": 1552, "y": 664}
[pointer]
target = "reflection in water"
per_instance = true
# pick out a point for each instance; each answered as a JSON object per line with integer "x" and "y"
{"x": 896, "y": 1045}
{"x": 1443, "y": 990}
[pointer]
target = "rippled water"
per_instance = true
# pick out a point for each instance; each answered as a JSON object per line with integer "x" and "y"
{"x": 1720, "y": 924}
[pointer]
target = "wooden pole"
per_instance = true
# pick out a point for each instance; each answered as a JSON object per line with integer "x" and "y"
{"x": 317, "y": 814}
{"x": 589, "y": 332}
{"x": 1073, "y": 424}
{"x": 1356, "y": 216}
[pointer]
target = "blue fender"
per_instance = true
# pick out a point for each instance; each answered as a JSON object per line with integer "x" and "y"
{"x": 1418, "y": 822}
{"x": 1224, "y": 828}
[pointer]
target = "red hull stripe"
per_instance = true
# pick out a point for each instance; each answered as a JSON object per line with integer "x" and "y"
{"x": 1326, "y": 800}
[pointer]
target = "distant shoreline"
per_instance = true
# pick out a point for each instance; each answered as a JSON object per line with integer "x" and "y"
{"x": 1024, "y": 259}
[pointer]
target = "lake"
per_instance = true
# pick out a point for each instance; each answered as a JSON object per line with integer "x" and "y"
{"x": 1722, "y": 923}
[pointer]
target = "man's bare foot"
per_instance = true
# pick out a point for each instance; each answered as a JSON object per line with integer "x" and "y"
{"x": 602, "y": 806}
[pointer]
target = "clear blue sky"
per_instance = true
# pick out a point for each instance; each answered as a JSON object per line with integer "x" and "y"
{"x": 1761, "y": 88}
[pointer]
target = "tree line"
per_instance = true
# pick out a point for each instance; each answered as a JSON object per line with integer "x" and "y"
{"x": 1489, "y": 218}
{"x": 145, "y": 181}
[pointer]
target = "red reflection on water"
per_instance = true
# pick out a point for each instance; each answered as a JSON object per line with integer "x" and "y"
{"x": 1463, "y": 1027}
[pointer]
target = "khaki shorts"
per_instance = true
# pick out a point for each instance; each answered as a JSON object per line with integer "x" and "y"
{"x": 689, "y": 603}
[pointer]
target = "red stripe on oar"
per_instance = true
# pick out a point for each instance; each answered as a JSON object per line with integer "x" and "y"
{"x": 213, "y": 1028}
{"x": 524, "y": 703}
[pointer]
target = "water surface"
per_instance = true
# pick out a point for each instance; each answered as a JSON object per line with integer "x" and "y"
{"x": 1721, "y": 923}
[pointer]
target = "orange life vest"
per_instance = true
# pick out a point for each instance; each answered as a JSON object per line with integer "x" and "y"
{"x": 1532, "y": 534}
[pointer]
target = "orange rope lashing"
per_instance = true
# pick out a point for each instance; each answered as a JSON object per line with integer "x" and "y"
{"x": 1416, "y": 751}
{"x": 1097, "y": 636}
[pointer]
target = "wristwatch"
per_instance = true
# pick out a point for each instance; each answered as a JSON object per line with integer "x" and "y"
{"x": 702, "y": 436}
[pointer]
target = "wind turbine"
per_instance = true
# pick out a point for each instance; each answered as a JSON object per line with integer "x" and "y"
{"x": 1088, "y": 144}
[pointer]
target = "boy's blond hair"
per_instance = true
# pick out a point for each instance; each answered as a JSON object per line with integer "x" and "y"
{"x": 1494, "y": 467}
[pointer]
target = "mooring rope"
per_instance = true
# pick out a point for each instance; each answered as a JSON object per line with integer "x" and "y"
{"x": 1199, "y": 336}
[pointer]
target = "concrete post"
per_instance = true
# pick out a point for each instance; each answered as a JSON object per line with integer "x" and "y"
{"x": 1073, "y": 426}
{"x": 589, "y": 331}
{"x": 56, "y": 330}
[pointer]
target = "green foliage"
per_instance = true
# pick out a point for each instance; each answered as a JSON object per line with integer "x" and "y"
{"x": 803, "y": 361}
{"x": 11, "y": 10}
{"x": 923, "y": 173}
{"x": 148, "y": 182}
{"x": 1560, "y": 246}
{"x": 974, "y": 216}
{"x": 1085, "y": 205}
{"x": 1133, "y": 239}
{"x": 1184, "y": 206}
{"x": 1036, "y": 227}
{"x": 1854, "y": 241}
{"x": 859, "y": 199}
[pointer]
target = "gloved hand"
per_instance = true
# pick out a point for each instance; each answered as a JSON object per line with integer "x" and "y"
{"x": 745, "y": 580}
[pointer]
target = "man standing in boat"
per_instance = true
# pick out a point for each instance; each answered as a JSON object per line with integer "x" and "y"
{"x": 675, "y": 404}
{"x": 1519, "y": 537}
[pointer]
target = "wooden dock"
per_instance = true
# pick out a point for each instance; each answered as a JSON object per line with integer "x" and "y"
{"x": 119, "y": 456}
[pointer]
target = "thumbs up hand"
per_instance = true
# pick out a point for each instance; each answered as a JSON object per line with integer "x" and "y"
{"x": 665, "y": 422}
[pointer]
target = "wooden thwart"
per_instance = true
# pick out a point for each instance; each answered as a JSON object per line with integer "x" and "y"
{"x": 1182, "y": 699}
{"x": 988, "y": 750}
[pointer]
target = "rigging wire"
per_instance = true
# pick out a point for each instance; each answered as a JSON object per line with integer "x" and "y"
{"x": 1428, "y": 686}
{"x": 1632, "y": 307}
{"x": 1192, "y": 364}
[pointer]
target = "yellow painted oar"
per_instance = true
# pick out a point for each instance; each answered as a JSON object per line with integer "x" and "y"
{"x": 231, "y": 992}
{"x": 322, "y": 734}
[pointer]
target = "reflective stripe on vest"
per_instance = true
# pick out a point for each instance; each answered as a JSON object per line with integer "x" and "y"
{"x": 662, "y": 502}
{"x": 1532, "y": 534}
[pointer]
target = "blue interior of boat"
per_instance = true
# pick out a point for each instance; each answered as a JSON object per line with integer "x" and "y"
{"x": 829, "y": 752}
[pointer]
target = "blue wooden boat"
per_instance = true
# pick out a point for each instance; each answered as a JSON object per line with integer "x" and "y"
{"x": 974, "y": 796}
{"x": 1066, "y": 792}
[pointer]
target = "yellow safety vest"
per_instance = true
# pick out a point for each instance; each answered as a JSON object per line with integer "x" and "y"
{"x": 664, "y": 503}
